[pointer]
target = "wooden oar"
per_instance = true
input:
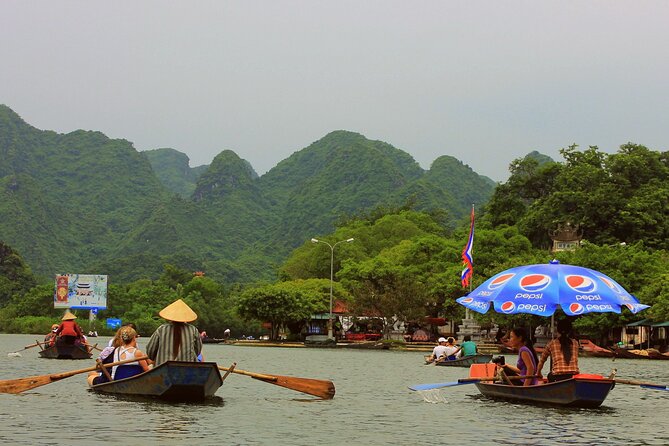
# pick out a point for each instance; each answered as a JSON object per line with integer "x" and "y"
{"x": 22, "y": 384}
{"x": 26, "y": 347}
{"x": 321, "y": 388}
{"x": 645, "y": 385}
{"x": 462, "y": 382}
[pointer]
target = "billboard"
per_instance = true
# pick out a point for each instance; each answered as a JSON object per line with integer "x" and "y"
{"x": 80, "y": 291}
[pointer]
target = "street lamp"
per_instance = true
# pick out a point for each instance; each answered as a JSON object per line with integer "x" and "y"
{"x": 332, "y": 247}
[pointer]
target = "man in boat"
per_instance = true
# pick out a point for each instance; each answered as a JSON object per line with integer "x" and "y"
{"x": 176, "y": 340}
{"x": 438, "y": 351}
{"x": 50, "y": 338}
{"x": 467, "y": 348}
{"x": 68, "y": 330}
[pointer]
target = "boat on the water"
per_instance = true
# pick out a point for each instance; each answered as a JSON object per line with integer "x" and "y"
{"x": 640, "y": 354}
{"x": 580, "y": 391}
{"x": 171, "y": 380}
{"x": 465, "y": 361}
{"x": 66, "y": 351}
{"x": 590, "y": 349}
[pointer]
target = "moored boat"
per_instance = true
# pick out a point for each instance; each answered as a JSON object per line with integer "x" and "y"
{"x": 65, "y": 351}
{"x": 587, "y": 391}
{"x": 590, "y": 349}
{"x": 466, "y": 361}
{"x": 640, "y": 354}
{"x": 171, "y": 380}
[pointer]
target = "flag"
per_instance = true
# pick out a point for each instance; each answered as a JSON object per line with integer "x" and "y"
{"x": 467, "y": 258}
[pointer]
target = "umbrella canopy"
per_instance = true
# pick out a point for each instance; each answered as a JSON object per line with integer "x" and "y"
{"x": 540, "y": 289}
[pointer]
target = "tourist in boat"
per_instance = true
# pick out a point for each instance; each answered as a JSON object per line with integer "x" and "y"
{"x": 438, "y": 351}
{"x": 68, "y": 330}
{"x": 563, "y": 352}
{"x": 50, "y": 338}
{"x": 520, "y": 340}
{"x": 467, "y": 348}
{"x": 128, "y": 350}
{"x": 450, "y": 351}
{"x": 176, "y": 340}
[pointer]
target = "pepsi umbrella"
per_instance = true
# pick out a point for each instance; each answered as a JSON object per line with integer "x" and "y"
{"x": 540, "y": 289}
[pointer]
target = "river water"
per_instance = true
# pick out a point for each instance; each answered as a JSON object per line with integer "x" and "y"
{"x": 372, "y": 405}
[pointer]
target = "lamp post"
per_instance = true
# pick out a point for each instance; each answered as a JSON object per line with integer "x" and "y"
{"x": 332, "y": 247}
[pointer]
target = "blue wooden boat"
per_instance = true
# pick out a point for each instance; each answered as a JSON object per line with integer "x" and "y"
{"x": 574, "y": 392}
{"x": 171, "y": 380}
{"x": 64, "y": 351}
{"x": 466, "y": 361}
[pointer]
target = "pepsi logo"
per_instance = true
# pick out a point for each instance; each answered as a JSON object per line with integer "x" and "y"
{"x": 467, "y": 300}
{"x": 500, "y": 280}
{"x": 610, "y": 284}
{"x": 582, "y": 284}
{"x": 507, "y": 307}
{"x": 576, "y": 308}
{"x": 534, "y": 282}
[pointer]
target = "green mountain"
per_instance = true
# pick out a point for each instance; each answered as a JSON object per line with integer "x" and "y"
{"x": 173, "y": 170}
{"x": 81, "y": 202}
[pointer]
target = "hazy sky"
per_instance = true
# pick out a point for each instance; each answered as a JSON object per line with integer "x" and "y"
{"x": 483, "y": 81}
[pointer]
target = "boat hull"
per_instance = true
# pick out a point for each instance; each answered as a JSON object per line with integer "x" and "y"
{"x": 65, "y": 352}
{"x": 622, "y": 353}
{"x": 574, "y": 392}
{"x": 171, "y": 380}
{"x": 466, "y": 361}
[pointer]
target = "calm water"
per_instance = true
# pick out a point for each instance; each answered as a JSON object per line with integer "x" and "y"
{"x": 372, "y": 405}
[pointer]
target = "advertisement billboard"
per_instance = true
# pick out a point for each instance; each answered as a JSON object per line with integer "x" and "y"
{"x": 80, "y": 291}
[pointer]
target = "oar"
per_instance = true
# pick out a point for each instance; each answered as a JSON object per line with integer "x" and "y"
{"x": 462, "y": 382}
{"x": 22, "y": 384}
{"x": 25, "y": 348}
{"x": 645, "y": 385}
{"x": 318, "y": 387}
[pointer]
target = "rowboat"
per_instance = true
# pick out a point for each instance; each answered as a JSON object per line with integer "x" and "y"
{"x": 590, "y": 349}
{"x": 171, "y": 380}
{"x": 639, "y": 354}
{"x": 466, "y": 361}
{"x": 65, "y": 351}
{"x": 588, "y": 391}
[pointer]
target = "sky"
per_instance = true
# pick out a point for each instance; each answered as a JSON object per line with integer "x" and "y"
{"x": 484, "y": 81}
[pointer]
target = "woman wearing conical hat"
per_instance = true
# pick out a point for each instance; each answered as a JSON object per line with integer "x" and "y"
{"x": 177, "y": 340}
{"x": 68, "y": 330}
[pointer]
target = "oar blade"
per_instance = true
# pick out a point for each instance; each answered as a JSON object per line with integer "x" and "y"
{"x": 22, "y": 384}
{"x": 654, "y": 386}
{"x": 435, "y": 385}
{"x": 317, "y": 387}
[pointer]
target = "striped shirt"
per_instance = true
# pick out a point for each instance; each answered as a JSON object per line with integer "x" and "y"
{"x": 160, "y": 347}
{"x": 559, "y": 365}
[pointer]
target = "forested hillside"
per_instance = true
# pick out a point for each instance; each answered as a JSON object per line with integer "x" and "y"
{"x": 83, "y": 202}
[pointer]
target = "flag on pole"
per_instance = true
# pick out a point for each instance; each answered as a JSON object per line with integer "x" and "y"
{"x": 467, "y": 258}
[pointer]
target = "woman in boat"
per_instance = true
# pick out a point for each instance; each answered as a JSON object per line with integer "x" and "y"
{"x": 68, "y": 330}
{"x": 563, "y": 352}
{"x": 527, "y": 357}
{"x": 176, "y": 340}
{"x": 128, "y": 350}
{"x": 450, "y": 350}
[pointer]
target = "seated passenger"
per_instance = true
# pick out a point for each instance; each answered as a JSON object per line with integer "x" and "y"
{"x": 128, "y": 350}
{"x": 50, "y": 339}
{"x": 527, "y": 358}
{"x": 468, "y": 347}
{"x": 438, "y": 351}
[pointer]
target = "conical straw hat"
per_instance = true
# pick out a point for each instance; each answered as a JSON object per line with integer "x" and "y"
{"x": 178, "y": 311}
{"x": 68, "y": 316}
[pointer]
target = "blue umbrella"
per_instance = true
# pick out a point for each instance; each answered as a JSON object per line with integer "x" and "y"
{"x": 539, "y": 289}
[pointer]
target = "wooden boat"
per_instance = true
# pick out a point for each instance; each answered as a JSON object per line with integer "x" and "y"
{"x": 639, "y": 354}
{"x": 590, "y": 349}
{"x": 171, "y": 380}
{"x": 64, "y": 351}
{"x": 466, "y": 361}
{"x": 589, "y": 391}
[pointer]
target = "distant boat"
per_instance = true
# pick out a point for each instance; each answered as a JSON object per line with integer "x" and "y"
{"x": 65, "y": 351}
{"x": 465, "y": 361}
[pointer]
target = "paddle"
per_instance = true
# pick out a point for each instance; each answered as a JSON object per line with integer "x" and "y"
{"x": 26, "y": 347}
{"x": 462, "y": 382}
{"x": 21, "y": 384}
{"x": 644, "y": 385}
{"x": 317, "y": 387}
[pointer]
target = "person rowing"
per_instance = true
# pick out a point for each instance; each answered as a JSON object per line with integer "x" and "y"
{"x": 563, "y": 352}
{"x": 176, "y": 340}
